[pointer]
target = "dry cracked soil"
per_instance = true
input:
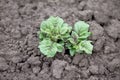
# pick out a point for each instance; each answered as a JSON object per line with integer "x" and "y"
{"x": 20, "y": 58}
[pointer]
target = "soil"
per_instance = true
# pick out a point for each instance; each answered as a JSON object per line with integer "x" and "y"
{"x": 20, "y": 58}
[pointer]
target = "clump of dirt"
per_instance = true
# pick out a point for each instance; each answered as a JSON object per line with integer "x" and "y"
{"x": 20, "y": 59}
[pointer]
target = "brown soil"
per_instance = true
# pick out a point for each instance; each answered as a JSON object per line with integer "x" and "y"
{"x": 20, "y": 59}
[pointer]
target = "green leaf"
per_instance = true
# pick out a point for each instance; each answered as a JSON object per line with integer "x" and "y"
{"x": 81, "y": 27}
{"x": 48, "y": 48}
{"x": 84, "y": 35}
{"x": 59, "y": 47}
{"x": 41, "y": 35}
{"x": 63, "y": 30}
{"x": 46, "y": 27}
{"x": 65, "y": 36}
{"x": 56, "y": 21}
{"x": 86, "y": 46}
{"x": 59, "y": 22}
{"x": 72, "y": 52}
{"x": 68, "y": 46}
{"x": 71, "y": 40}
{"x": 69, "y": 29}
{"x": 55, "y": 28}
{"x": 75, "y": 36}
{"x": 51, "y": 19}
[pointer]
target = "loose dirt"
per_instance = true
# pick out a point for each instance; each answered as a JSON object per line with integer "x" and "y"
{"x": 20, "y": 58}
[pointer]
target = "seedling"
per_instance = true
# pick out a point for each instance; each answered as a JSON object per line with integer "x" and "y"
{"x": 78, "y": 42}
{"x": 55, "y": 35}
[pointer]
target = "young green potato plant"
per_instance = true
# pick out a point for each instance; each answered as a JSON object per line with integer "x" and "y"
{"x": 55, "y": 35}
{"x": 78, "y": 42}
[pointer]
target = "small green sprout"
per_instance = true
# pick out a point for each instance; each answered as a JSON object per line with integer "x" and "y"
{"x": 55, "y": 35}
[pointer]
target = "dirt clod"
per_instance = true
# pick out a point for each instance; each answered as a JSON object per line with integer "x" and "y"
{"x": 36, "y": 70}
{"x": 20, "y": 58}
{"x": 93, "y": 69}
{"x": 99, "y": 44}
{"x": 113, "y": 30}
{"x": 34, "y": 60}
{"x": 16, "y": 59}
{"x": 57, "y": 68}
{"x": 85, "y": 15}
{"x": 96, "y": 29}
{"x": 93, "y": 78}
{"x": 77, "y": 58}
{"x": 104, "y": 19}
{"x": 3, "y": 64}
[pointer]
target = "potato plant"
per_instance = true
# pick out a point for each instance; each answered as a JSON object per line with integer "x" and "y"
{"x": 55, "y": 35}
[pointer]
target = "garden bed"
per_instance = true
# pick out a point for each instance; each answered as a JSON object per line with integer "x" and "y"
{"x": 20, "y": 58}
